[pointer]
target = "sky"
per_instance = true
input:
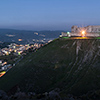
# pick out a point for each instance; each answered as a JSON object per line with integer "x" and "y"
{"x": 48, "y": 14}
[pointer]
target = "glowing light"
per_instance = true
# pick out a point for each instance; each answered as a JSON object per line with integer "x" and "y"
{"x": 14, "y": 50}
{"x": 19, "y": 53}
{"x": 7, "y": 53}
{"x": 68, "y": 33}
{"x": 10, "y": 50}
{"x": 83, "y": 33}
{"x": 60, "y": 35}
{"x": 19, "y": 39}
{"x": 2, "y": 73}
{"x": 4, "y": 63}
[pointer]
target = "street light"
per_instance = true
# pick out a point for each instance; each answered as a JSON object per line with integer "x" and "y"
{"x": 68, "y": 34}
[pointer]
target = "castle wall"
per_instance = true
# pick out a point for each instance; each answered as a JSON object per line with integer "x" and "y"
{"x": 88, "y": 29}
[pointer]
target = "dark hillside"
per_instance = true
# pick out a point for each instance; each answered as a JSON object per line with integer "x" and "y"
{"x": 71, "y": 65}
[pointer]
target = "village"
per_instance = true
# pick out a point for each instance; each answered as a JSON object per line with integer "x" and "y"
{"x": 16, "y": 52}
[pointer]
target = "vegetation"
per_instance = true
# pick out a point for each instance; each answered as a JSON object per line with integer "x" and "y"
{"x": 4, "y": 44}
{"x": 70, "y": 65}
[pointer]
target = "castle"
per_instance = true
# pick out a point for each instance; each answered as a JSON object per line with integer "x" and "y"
{"x": 88, "y": 29}
{"x": 92, "y": 31}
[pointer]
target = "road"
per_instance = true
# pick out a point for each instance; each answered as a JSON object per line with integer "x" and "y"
{"x": 18, "y": 61}
{"x": 1, "y": 74}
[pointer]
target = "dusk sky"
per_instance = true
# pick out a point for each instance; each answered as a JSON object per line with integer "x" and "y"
{"x": 48, "y": 14}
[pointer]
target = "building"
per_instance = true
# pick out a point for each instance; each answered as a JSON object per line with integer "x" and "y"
{"x": 66, "y": 34}
{"x": 90, "y": 31}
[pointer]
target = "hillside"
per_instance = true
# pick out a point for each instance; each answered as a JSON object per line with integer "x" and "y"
{"x": 71, "y": 65}
{"x": 11, "y": 35}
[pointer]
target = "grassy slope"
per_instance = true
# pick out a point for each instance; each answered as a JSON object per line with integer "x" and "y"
{"x": 58, "y": 65}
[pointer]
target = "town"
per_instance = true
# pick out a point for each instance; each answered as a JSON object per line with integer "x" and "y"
{"x": 11, "y": 55}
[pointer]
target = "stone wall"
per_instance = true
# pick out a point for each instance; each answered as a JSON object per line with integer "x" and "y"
{"x": 88, "y": 29}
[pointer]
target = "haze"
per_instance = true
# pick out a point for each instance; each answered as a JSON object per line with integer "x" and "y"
{"x": 48, "y": 14}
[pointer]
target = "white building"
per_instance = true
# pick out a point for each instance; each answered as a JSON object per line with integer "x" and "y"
{"x": 67, "y": 34}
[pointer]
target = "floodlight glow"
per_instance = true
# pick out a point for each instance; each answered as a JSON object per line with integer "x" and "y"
{"x": 83, "y": 33}
{"x": 67, "y": 32}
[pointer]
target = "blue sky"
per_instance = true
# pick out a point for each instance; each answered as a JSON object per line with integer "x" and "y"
{"x": 48, "y": 14}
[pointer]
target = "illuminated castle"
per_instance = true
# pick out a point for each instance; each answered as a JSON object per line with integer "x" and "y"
{"x": 89, "y": 31}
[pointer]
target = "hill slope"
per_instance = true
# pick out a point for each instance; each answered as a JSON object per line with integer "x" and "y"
{"x": 11, "y": 35}
{"x": 71, "y": 65}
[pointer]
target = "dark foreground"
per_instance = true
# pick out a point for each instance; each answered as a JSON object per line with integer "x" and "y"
{"x": 64, "y": 67}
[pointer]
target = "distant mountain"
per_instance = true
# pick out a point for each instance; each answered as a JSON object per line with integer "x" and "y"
{"x": 10, "y": 35}
{"x": 73, "y": 66}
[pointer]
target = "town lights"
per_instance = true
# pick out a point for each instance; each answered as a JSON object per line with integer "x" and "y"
{"x": 19, "y": 39}
{"x": 83, "y": 33}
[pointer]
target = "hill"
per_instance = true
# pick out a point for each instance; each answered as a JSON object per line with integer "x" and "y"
{"x": 73, "y": 66}
{"x": 11, "y": 35}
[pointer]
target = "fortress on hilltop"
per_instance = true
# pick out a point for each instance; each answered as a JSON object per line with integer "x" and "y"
{"x": 89, "y": 31}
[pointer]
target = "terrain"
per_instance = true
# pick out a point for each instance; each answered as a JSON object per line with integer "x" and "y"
{"x": 12, "y": 35}
{"x": 72, "y": 65}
